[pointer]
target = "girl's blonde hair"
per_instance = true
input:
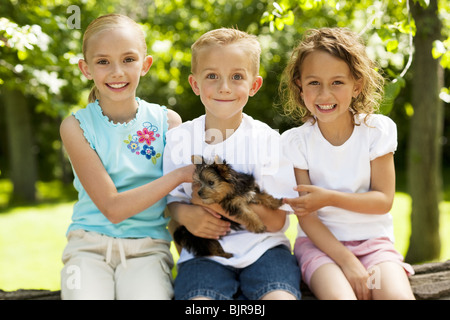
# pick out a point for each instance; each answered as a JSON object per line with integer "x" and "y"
{"x": 343, "y": 44}
{"x": 226, "y": 36}
{"x": 105, "y": 22}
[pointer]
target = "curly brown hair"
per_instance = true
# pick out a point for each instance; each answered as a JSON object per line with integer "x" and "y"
{"x": 343, "y": 44}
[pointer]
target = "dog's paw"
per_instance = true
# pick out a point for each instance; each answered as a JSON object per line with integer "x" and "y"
{"x": 225, "y": 255}
{"x": 256, "y": 228}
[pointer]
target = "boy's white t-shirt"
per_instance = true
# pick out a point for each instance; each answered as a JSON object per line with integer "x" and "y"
{"x": 344, "y": 168}
{"x": 254, "y": 148}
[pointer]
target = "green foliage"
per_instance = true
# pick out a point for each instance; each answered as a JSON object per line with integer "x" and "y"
{"x": 388, "y": 29}
{"x": 40, "y": 51}
{"x": 35, "y": 59}
{"x": 391, "y": 91}
{"x": 386, "y": 25}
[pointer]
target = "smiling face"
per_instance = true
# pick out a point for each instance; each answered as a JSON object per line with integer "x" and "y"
{"x": 115, "y": 61}
{"x": 224, "y": 79}
{"x": 327, "y": 86}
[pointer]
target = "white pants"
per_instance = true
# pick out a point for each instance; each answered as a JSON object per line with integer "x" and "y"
{"x": 104, "y": 268}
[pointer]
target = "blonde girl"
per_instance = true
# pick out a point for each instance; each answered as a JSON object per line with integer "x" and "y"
{"x": 118, "y": 243}
{"x": 343, "y": 159}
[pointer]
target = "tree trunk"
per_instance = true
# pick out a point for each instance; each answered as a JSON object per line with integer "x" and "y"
{"x": 22, "y": 158}
{"x": 425, "y": 151}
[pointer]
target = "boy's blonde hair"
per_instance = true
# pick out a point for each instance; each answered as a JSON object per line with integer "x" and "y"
{"x": 345, "y": 45}
{"x": 105, "y": 22}
{"x": 226, "y": 36}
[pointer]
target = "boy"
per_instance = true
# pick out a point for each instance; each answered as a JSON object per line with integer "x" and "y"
{"x": 225, "y": 67}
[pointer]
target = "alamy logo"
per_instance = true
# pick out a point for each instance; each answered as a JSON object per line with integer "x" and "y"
{"x": 74, "y": 20}
{"x": 73, "y": 281}
{"x": 374, "y": 280}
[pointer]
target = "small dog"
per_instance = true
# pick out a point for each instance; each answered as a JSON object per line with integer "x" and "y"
{"x": 234, "y": 191}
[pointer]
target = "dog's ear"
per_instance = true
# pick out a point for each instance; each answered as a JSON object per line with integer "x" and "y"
{"x": 222, "y": 168}
{"x": 218, "y": 160}
{"x": 196, "y": 159}
{"x": 224, "y": 171}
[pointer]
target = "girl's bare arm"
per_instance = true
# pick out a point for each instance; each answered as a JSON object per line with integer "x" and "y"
{"x": 100, "y": 187}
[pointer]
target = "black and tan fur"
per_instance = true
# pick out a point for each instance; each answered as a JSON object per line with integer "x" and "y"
{"x": 234, "y": 191}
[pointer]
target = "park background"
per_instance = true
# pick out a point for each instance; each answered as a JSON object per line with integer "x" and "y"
{"x": 40, "y": 84}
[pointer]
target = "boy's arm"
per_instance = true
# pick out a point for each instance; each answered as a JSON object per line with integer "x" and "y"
{"x": 173, "y": 119}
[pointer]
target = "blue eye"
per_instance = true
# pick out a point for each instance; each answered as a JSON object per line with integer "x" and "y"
{"x": 211, "y": 76}
{"x": 237, "y": 77}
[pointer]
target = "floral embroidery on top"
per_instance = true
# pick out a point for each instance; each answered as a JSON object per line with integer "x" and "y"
{"x": 145, "y": 136}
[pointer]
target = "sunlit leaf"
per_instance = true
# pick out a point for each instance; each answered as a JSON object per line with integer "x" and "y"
{"x": 392, "y": 45}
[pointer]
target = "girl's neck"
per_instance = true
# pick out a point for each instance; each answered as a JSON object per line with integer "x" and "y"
{"x": 218, "y": 130}
{"x": 119, "y": 111}
{"x": 337, "y": 132}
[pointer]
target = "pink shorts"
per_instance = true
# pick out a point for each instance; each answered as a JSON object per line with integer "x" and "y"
{"x": 370, "y": 252}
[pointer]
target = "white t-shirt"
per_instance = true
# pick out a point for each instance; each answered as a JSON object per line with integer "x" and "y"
{"x": 344, "y": 168}
{"x": 254, "y": 148}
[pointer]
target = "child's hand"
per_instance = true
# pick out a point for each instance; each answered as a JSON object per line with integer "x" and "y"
{"x": 214, "y": 208}
{"x": 187, "y": 172}
{"x": 204, "y": 222}
{"x": 357, "y": 276}
{"x": 312, "y": 199}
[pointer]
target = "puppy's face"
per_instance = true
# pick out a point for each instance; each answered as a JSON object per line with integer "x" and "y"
{"x": 211, "y": 179}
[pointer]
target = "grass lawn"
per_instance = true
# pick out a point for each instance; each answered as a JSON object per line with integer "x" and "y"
{"x": 32, "y": 240}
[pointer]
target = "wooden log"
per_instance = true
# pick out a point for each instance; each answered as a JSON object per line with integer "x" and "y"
{"x": 431, "y": 281}
{"x": 24, "y": 294}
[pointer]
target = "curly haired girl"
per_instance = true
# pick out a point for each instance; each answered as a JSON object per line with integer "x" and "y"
{"x": 344, "y": 167}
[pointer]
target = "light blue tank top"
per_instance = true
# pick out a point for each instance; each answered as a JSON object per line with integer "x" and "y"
{"x": 132, "y": 155}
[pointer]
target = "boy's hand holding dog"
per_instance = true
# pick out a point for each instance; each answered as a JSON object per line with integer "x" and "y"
{"x": 199, "y": 220}
{"x": 214, "y": 209}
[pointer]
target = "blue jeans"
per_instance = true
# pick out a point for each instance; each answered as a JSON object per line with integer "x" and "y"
{"x": 276, "y": 269}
